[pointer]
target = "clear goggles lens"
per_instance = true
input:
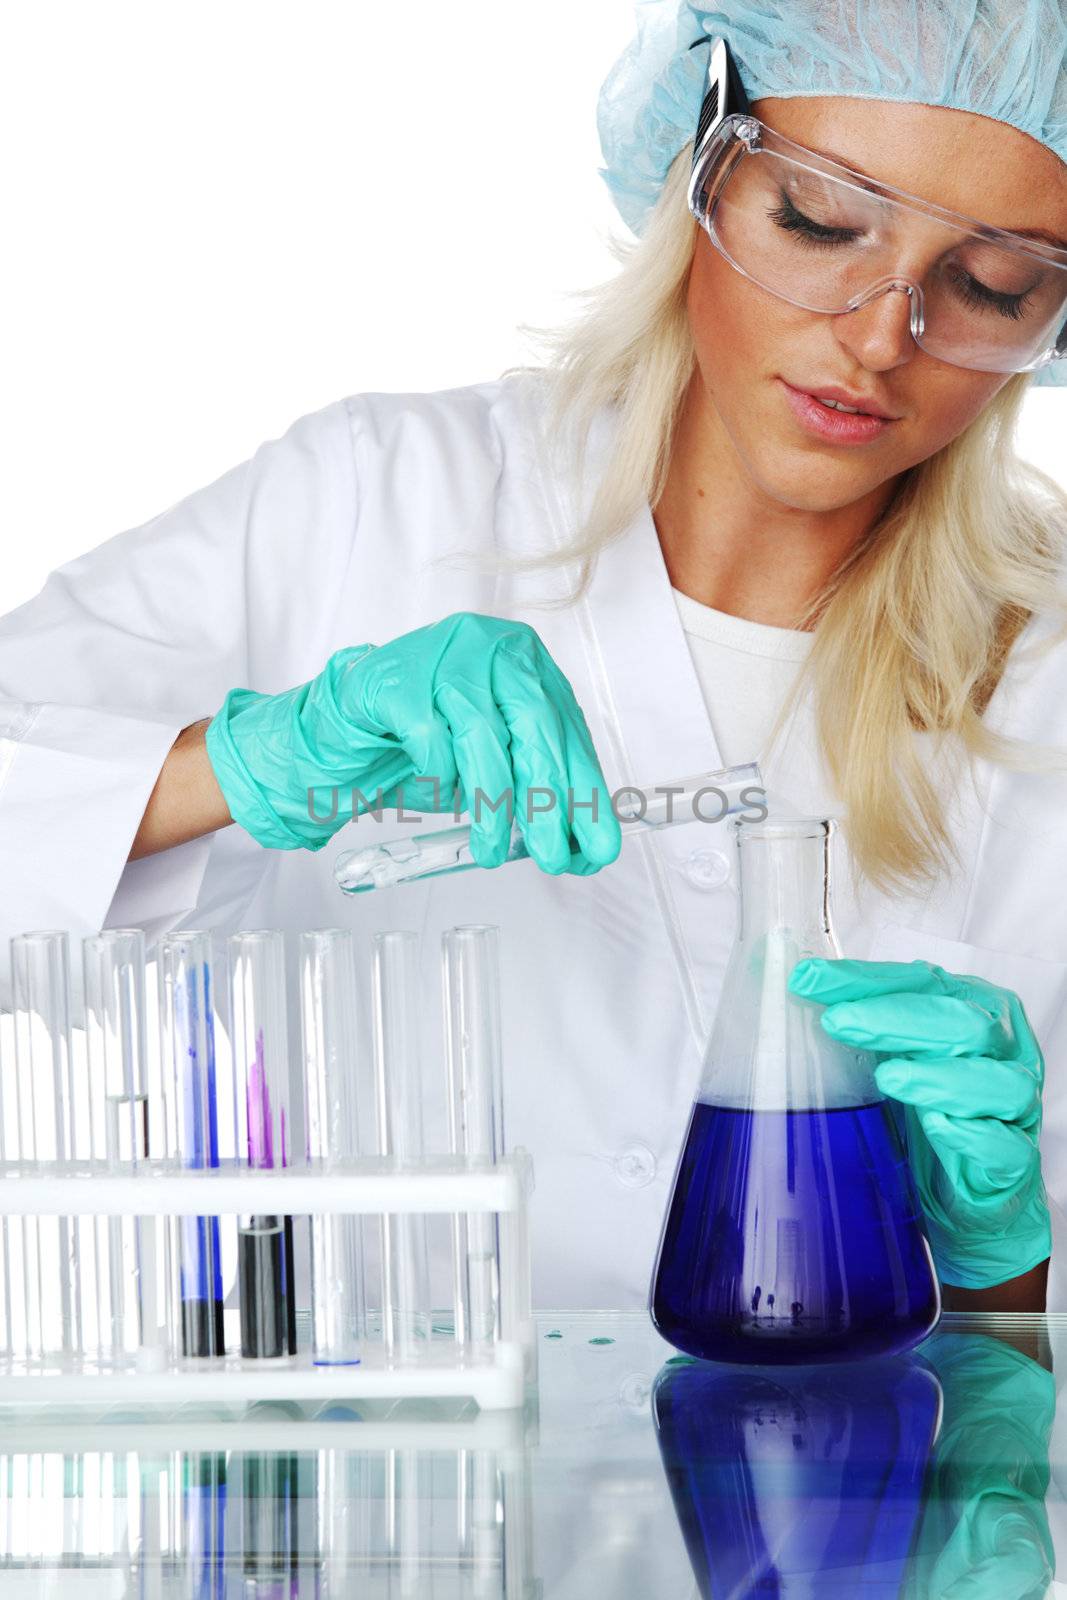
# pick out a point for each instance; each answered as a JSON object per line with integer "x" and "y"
{"x": 802, "y": 227}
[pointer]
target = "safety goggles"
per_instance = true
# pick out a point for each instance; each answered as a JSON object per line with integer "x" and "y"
{"x": 826, "y": 238}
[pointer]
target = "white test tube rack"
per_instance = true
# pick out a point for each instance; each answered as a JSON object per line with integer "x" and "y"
{"x": 495, "y": 1374}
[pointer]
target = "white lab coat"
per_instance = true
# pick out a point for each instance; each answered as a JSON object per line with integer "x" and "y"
{"x": 330, "y": 536}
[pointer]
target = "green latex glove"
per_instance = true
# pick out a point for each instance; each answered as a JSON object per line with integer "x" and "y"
{"x": 468, "y": 703}
{"x": 964, "y": 1062}
{"x": 984, "y": 1533}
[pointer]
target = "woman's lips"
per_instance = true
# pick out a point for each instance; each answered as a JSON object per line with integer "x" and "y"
{"x": 839, "y": 427}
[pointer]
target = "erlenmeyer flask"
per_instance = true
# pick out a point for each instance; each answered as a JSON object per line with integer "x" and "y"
{"x": 794, "y": 1231}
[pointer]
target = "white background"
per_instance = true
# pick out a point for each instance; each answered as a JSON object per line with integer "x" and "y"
{"x": 219, "y": 217}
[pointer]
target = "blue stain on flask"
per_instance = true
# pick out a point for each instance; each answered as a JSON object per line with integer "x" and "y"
{"x": 794, "y": 1231}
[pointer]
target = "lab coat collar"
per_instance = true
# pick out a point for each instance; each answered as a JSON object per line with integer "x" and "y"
{"x": 646, "y": 708}
{"x": 667, "y": 732}
{"x": 653, "y": 719}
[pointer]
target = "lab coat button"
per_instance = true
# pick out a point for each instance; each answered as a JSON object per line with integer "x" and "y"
{"x": 707, "y": 869}
{"x": 635, "y": 1167}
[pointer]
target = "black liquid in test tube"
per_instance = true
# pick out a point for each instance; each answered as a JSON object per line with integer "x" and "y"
{"x": 265, "y": 1274}
{"x": 271, "y": 1554}
{"x": 260, "y": 1042}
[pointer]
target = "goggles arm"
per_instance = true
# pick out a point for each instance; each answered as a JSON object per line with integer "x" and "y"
{"x": 723, "y": 96}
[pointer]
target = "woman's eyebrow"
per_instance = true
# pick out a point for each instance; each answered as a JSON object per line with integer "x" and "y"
{"x": 1041, "y": 234}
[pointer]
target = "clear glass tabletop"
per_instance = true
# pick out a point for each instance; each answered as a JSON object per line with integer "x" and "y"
{"x": 632, "y": 1473}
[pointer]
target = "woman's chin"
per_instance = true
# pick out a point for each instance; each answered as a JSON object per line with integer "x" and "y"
{"x": 811, "y": 481}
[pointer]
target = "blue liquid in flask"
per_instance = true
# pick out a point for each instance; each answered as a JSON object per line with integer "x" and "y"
{"x": 794, "y": 1236}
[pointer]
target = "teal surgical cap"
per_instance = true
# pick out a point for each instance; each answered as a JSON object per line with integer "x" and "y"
{"x": 1005, "y": 59}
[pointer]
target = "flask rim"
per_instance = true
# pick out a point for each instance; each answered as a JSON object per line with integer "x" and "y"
{"x": 783, "y": 828}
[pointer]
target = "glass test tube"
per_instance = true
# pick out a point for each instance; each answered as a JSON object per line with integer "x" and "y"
{"x": 113, "y": 964}
{"x": 262, "y": 1121}
{"x": 12, "y": 1309}
{"x": 348, "y": 1508}
{"x": 487, "y": 1531}
{"x": 187, "y": 1048}
{"x": 405, "y": 1508}
{"x": 270, "y": 1542}
{"x": 328, "y": 1021}
{"x": 203, "y": 1522}
{"x": 151, "y": 1537}
{"x": 710, "y": 796}
{"x": 48, "y": 1246}
{"x": 398, "y": 1074}
{"x": 470, "y": 971}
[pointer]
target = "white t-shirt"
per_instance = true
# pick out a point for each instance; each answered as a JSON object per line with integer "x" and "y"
{"x": 746, "y": 669}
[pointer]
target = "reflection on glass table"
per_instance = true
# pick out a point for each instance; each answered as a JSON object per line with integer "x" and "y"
{"x": 272, "y": 1502}
{"x": 923, "y": 1476}
{"x": 636, "y": 1475}
{"x": 804, "y": 1479}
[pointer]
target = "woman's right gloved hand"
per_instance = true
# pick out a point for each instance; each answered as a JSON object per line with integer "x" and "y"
{"x": 471, "y": 703}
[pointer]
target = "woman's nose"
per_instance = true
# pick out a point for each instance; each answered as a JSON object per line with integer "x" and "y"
{"x": 878, "y": 334}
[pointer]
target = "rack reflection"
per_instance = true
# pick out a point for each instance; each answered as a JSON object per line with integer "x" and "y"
{"x": 276, "y": 1502}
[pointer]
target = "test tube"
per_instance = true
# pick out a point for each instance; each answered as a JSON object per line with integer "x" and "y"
{"x": 204, "y": 1523}
{"x": 405, "y": 1506}
{"x": 328, "y": 1022}
{"x": 270, "y": 1545}
{"x": 40, "y": 968}
{"x": 187, "y": 1050}
{"x": 708, "y": 796}
{"x": 349, "y": 1499}
{"x": 12, "y": 1310}
{"x": 470, "y": 971}
{"x": 487, "y": 1526}
{"x": 113, "y": 964}
{"x": 262, "y": 1121}
{"x": 398, "y": 1075}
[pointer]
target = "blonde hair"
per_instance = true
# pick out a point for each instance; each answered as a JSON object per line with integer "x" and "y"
{"x": 938, "y": 590}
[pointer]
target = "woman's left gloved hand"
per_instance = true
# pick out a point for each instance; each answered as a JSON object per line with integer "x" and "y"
{"x": 964, "y": 1061}
{"x": 984, "y": 1532}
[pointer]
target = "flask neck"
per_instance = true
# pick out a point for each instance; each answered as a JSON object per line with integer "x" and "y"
{"x": 784, "y": 876}
{"x": 768, "y": 1050}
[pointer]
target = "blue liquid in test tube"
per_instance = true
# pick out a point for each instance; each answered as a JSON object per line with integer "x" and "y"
{"x": 204, "y": 1504}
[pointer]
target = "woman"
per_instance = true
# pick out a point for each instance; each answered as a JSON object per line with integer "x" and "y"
{"x": 436, "y": 553}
